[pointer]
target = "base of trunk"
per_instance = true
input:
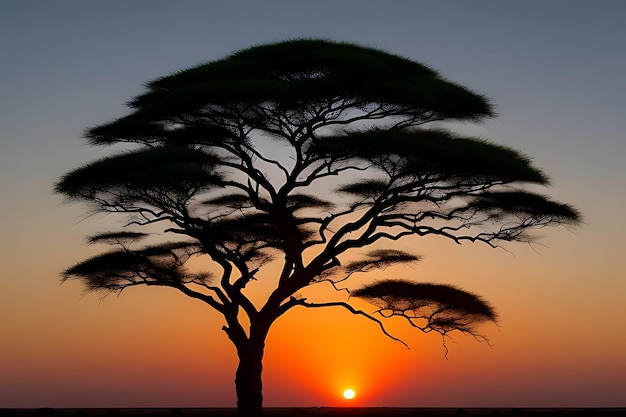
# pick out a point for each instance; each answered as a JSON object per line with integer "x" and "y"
{"x": 248, "y": 382}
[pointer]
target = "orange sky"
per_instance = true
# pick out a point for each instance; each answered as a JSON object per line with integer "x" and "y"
{"x": 168, "y": 351}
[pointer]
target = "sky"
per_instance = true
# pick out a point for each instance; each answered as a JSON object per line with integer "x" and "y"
{"x": 555, "y": 73}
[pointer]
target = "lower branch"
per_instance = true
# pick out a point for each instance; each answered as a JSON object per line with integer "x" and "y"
{"x": 443, "y": 332}
{"x": 302, "y": 302}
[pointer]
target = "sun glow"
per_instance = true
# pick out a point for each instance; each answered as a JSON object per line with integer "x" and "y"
{"x": 349, "y": 394}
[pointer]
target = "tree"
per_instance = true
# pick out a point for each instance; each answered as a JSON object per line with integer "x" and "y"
{"x": 202, "y": 177}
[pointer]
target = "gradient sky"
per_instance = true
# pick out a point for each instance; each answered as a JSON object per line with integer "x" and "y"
{"x": 555, "y": 72}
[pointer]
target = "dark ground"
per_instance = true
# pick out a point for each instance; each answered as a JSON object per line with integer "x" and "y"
{"x": 321, "y": 411}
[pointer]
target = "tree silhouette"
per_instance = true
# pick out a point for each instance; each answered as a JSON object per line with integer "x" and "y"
{"x": 298, "y": 153}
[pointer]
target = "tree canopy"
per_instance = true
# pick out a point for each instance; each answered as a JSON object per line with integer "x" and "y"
{"x": 299, "y": 152}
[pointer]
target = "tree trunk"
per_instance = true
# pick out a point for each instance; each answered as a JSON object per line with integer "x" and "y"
{"x": 248, "y": 378}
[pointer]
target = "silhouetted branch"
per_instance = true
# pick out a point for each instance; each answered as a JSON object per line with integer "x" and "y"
{"x": 442, "y": 308}
{"x": 302, "y": 302}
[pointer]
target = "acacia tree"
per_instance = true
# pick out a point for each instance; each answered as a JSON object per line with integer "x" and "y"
{"x": 201, "y": 179}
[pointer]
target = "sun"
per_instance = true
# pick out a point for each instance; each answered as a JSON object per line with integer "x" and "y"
{"x": 349, "y": 394}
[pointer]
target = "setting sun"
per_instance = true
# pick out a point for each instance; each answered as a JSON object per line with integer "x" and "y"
{"x": 349, "y": 394}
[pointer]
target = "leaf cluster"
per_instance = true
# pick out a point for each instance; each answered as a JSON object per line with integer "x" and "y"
{"x": 153, "y": 265}
{"x": 381, "y": 258}
{"x": 444, "y": 307}
{"x": 419, "y": 152}
{"x": 295, "y": 73}
{"x": 166, "y": 168}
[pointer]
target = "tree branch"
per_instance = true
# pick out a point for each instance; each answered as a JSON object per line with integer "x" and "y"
{"x": 302, "y": 302}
